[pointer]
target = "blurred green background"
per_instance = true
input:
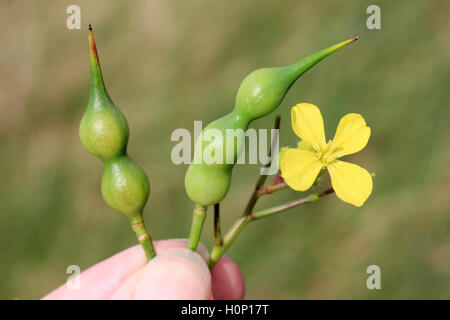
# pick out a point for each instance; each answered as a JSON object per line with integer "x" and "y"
{"x": 168, "y": 63}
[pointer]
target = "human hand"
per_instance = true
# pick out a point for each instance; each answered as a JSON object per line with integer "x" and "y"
{"x": 175, "y": 273}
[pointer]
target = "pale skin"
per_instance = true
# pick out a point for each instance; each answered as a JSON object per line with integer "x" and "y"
{"x": 176, "y": 273}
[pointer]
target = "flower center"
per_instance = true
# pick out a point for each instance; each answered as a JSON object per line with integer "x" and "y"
{"x": 325, "y": 156}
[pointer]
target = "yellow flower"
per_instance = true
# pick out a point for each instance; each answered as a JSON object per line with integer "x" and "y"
{"x": 300, "y": 167}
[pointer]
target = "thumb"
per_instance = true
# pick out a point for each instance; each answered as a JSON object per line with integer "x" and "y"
{"x": 178, "y": 273}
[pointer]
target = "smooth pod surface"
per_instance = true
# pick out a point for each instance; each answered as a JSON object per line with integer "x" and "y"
{"x": 104, "y": 130}
{"x": 125, "y": 186}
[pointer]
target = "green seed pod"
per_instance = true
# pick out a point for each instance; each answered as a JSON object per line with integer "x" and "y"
{"x": 207, "y": 184}
{"x": 260, "y": 93}
{"x": 104, "y": 133}
{"x": 103, "y": 129}
{"x": 125, "y": 186}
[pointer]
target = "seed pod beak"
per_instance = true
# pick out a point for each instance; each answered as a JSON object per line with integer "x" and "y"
{"x": 344, "y": 43}
{"x": 92, "y": 46}
{"x": 96, "y": 72}
{"x": 301, "y": 66}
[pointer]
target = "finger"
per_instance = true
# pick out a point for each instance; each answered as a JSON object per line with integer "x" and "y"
{"x": 104, "y": 278}
{"x": 227, "y": 280}
{"x": 174, "y": 274}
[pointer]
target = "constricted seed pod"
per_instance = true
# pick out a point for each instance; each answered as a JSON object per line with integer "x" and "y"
{"x": 260, "y": 93}
{"x": 104, "y": 133}
{"x": 125, "y": 187}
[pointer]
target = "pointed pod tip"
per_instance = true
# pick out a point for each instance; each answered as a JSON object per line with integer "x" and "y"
{"x": 96, "y": 72}
{"x": 92, "y": 45}
{"x": 351, "y": 40}
{"x": 344, "y": 43}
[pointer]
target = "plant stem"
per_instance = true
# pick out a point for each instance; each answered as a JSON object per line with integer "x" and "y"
{"x": 218, "y": 241}
{"x": 198, "y": 219}
{"x": 254, "y": 197}
{"x": 240, "y": 224}
{"x": 137, "y": 224}
{"x": 262, "y": 178}
{"x": 272, "y": 188}
{"x": 285, "y": 206}
{"x": 218, "y": 251}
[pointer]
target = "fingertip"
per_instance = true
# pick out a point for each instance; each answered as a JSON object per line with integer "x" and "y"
{"x": 178, "y": 274}
{"x": 227, "y": 280}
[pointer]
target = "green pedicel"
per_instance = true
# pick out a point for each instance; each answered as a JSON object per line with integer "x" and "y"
{"x": 260, "y": 93}
{"x": 104, "y": 133}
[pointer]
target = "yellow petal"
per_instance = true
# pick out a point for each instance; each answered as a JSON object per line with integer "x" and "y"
{"x": 303, "y": 145}
{"x": 299, "y": 168}
{"x": 351, "y": 135}
{"x": 351, "y": 183}
{"x": 307, "y": 123}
